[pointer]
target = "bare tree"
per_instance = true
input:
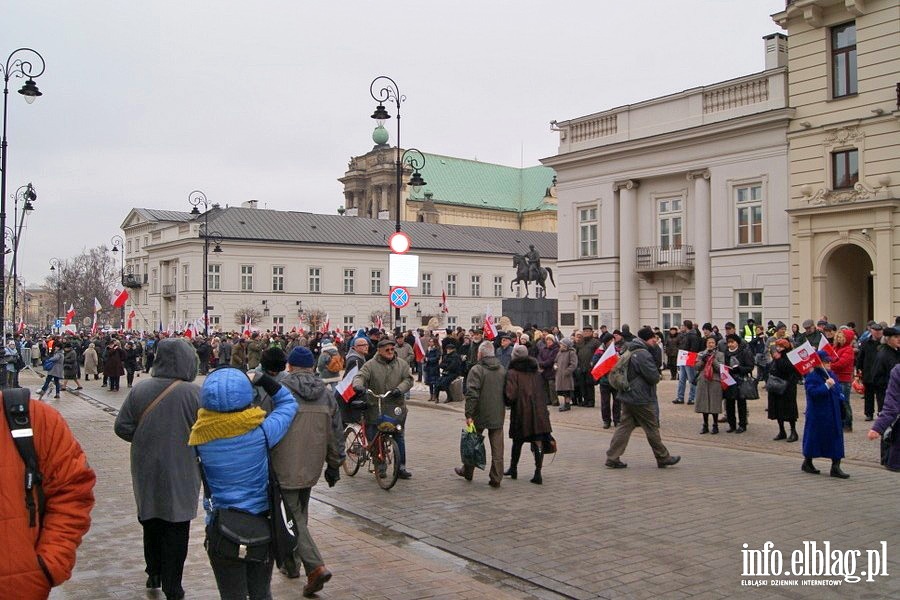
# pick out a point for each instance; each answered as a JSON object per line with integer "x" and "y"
{"x": 315, "y": 318}
{"x": 247, "y": 312}
{"x": 91, "y": 274}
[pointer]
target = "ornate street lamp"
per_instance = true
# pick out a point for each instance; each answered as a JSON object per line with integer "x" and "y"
{"x": 118, "y": 245}
{"x": 196, "y": 199}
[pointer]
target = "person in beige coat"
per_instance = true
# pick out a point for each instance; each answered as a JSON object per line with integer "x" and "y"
{"x": 566, "y": 363}
{"x": 90, "y": 362}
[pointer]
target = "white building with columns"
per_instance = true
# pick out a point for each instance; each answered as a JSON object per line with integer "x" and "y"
{"x": 674, "y": 208}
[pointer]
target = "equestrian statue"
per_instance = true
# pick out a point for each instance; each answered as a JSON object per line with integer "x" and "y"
{"x": 528, "y": 268}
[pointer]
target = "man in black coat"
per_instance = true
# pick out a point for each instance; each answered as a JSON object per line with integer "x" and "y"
{"x": 865, "y": 362}
{"x": 887, "y": 356}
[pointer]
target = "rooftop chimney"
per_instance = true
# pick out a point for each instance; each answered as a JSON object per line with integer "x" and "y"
{"x": 249, "y": 204}
{"x": 776, "y": 50}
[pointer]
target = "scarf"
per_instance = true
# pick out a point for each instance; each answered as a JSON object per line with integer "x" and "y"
{"x": 212, "y": 425}
{"x": 708, "y": 367}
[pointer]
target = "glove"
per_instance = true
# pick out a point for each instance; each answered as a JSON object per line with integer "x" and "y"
{"x": 268, "y": 383}
{"x": 332, "y": 476}
{"x": 396, "y": 394}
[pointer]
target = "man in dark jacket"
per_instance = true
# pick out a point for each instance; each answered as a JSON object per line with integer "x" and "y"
{"x": 639, "y": 403}
{"x": 887, "y": 356}
{"x": 688, "y": 340}
{"x": 865, "y": 362}
{"x": 452, "y": 366}
{"x": 485, "y": 409}
{"x": 584, "y": 381}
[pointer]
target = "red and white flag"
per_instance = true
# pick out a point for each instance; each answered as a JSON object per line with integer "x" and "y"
{"x": 418, "y": 349}
{"x": 326, "y": 324}
{"x": 804, "y": 358}
{"x": 725, "y": 377}
{"x": 379, "y": 322}
{"x": 607, "y": 361}
{"x": 686, "y": 358}
{"x": 188, "y": 332}
{"x": 97, "y": 305}
{"x": 248, "y": 322}
{"x": 130, "y": 323}
{"x": 119, "y": 296}
{"x": 443, "y": 304}
{"x": 94, "y": 324}
{"x": 21, "y": 328}
{"x": 344, "y": 388}
{"x": 825, "y": 345}
{"x": 70, "y": 314}
{"x": 490, "y": 328}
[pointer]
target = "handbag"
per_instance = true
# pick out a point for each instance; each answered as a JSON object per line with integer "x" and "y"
{"x": 549, "y": 444}
{"x": 776, "y": 385}
{"x": 747, "y": 388}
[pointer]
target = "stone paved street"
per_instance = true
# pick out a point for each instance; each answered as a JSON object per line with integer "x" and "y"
{"x": 588, "y": 532}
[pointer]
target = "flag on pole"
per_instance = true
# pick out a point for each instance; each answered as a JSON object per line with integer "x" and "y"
{"x": 418, "y": 349}
{"x": 686, "y": 358}
{"x": 131, "y": 316}
{"x": 326, "y": 324}
{"x": 344, "y": 388}
{"x": 94, "y": 324}
{"x": 70, "y": 314}
{"x": 248, "y": 323}
{"x": 189, "y": 332}
{"x": 490, "y": 328}
{"x": 21, "y": 328}
{"x": 825, "y": 345}
{"x": 97, "y": 305}
{"x": 804, "y": 358}
{"x": 443, "y": 304}
{"x": 119, "y": 296}
{"x": 725, "y": 377}
{"x": 607, "y": 361}
{"x": 379, "y": 322}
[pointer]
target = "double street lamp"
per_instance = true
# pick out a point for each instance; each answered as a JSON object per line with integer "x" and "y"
{"x": 16, "y": 66}
{"x": 196, "y": 199}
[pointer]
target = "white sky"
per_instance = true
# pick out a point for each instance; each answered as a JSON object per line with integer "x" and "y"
{"x": 145, "y": 101}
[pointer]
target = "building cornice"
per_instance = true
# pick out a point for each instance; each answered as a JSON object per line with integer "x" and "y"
{"x": 846, "y": 206}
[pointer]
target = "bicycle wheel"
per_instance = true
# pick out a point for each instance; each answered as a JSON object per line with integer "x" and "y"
{"x": 388, "y": 467}
{"x": 354, "y": 451}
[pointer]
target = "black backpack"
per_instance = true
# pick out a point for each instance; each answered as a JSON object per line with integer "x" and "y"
{"x": 15, "y": 407}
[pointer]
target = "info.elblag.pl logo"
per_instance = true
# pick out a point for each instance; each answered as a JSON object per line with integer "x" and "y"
{"x": 817, "y": 565}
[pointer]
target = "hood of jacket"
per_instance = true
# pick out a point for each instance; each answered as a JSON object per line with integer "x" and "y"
{"x": 491, "y": 363}
{"x": 303, "y": 385}
{"x": 637, "y": 344}
{"x": 175, "y": 359}
{"x": 525, "y": 364}
{"x": 226, "y": 390}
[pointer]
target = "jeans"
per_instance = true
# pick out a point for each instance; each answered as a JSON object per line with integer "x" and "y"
{"x": 236, "y": 579}
{"x": 686, "y": 377}
{"x": 637, "y": 415}
{"x": 46, "y": 385}
{"x": 165, "y": 550}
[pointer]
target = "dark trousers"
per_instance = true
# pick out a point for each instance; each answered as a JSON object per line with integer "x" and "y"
{"x": 730, "y": 401}
{"x": 236, "y": 580}
{"x": 869, "y": 399}
{"x": 608, "y": 401}
{"x": 637, "y": 415}
{"x": 585, "y": 384}
{"x": 495, "y": 438}
{"x": 129, "y": 376}
{"x": 113, "y": 382}
{"x": 165, "y": 549}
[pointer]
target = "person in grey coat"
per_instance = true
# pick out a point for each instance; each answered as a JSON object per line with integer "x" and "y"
{"x": 639, "y": 403}
{"x": 164, "y": 471}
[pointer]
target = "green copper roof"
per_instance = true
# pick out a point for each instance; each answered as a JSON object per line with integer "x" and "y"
{"x": 469, "y": 182}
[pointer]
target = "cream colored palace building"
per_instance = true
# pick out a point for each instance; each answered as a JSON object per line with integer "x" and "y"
{"x": 287, "y": 265}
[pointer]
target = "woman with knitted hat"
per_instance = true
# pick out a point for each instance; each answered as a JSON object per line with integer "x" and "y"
{"x": 823, "y": 432}
{"x": 232, "y": 437}
{"x": 782, "y": 405}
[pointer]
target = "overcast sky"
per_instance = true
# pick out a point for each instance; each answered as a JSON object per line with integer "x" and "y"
{"x": 145, "y": 101}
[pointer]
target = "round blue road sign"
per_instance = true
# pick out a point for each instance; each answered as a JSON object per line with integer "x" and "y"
{"x": 399, "y": 297}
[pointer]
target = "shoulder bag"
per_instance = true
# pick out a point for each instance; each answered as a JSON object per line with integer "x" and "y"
{"x": 776, "y": 385}
{"x": 747, "y": 388}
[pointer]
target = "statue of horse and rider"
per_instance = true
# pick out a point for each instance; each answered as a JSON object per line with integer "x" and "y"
{"x": 528, "y": 268}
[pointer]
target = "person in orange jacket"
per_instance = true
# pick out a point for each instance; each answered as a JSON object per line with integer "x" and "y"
{"x": 40, "y": 557}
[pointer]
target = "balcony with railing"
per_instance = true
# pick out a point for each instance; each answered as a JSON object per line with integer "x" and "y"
{"x": 651, "y": 260}
{"x": 130, "y": 280}
{"x": 168, "y": 291}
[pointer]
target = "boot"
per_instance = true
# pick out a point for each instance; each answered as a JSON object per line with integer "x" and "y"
{"x": 715, "y": 428}
{"x": 808, "y": 467}
{"x": 836, "y": 470}
{"x": 538, "y": 463}
{"x": 704, "y": 429}
{"x": 512, "y": 471}
{"x": 781, "y": 436}
{"x": 431, "y": 398}
{"x": 793, "y": 437}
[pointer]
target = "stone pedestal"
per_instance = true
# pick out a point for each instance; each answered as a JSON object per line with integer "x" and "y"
{"x": 525, "y": 311}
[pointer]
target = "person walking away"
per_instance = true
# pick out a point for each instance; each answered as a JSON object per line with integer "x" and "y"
{"x": 782, "y": 406}
{"x": 889, "y": 413}
{"x": 529, "y": 420}
{"x": 566, "y": 363}
{"x": 90, "y": 362}
{"x": 736, "y": 356}
{"x": 70, "y": 367}
{"x": 485, "y": 409}
{"x": 232, "y": 439}
{"x": 708, "y": 400}
{"x": 315, "y": 438}
{"x": 638, "y": 404}
{"x": 330, "y": 362}
{"x": 55, "y": 373}
{"x": 156, "y": 418}
{"x": 823, "y": 432}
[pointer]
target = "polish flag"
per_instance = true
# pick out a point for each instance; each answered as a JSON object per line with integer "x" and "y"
{"x": 188, "y": 332}
{"x": 97, "y": 305}
{"x": 94, "y": 324}
{"x": 490, "y": 328}
{"x": 825, "y": 345}
{"x": 607, "y": 361}
{"x": 248, "y": 322}
{"x": 443, "y": 304}
{"x": 70, "y": 314}
{"x": 119, "y": 296}
{"x": 326, "y": 324}
{"x": 344, "y": 388}
{"x": 725, "y": 377}
{"x": 379, "y": 322}
{"x": 804, "y": 358}
{"x": 686, "y": 358}
{"x": 130, "y": 322}
{"x": 417, "y": 347}
{"x": 21, "y": 328}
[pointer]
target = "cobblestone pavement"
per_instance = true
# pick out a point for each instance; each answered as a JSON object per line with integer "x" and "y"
{"x": 588, "y": 532}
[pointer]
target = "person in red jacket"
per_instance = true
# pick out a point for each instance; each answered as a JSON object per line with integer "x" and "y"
{"x": 41, "y": 557}
{"x": 843, "y": 368}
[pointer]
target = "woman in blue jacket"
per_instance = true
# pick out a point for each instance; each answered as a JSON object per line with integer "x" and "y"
{"x": 823, "y": 432}
{"x": 232, "y": 438}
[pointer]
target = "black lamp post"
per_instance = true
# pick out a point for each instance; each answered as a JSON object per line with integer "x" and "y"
{"x": 18, "y": 67}
{"x": 56, "y": 267}
{"x": 197, "y": 198}
{"x": 28, "y": 195}
{"x": 118, "y": 244}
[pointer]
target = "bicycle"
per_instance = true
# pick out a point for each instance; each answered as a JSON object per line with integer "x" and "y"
{"x": 382, "y": 450}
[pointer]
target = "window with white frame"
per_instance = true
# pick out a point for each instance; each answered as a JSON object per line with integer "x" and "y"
{"x": 214, "y": 322}
{"x": 670, "y": 219}
{"x": 129, "y": 246}
{"x": 670, "y": 311}
{"x": 278, "y": 324}
{"x": 476, "y": 285}
{"x": 426, "y": 284}
{"x": 750, "y": 306}
{"x": 348, "y": 322}
{"x": 375, "y": 282}
{"x": 498, "y": 286}
{"x": 749, "y": 202}
{"x": 278, "y": 279}
{"x": 154, "y": 281}
{"x": 451, "y": 284}
{"x": 185, "y": 277}
{"x": 590, "y": 311}
{"x": 214, "y": 277}
{"x": 349, "y": 281}
{"x": 843, "y": 60}
{"x": 246, "y": 278}
{"x": 137, "y": 244}
{"x": 451, "y": 322}
{"x": 587, "y": 231}
{"x": 315, "y": 280}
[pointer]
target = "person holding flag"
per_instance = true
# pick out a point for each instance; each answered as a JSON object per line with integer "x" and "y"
{"x": 782, "y": 404}
{"x": 606, "y": 357}
{"x": 823, "y": 431}
{"x": 709, "y": 389}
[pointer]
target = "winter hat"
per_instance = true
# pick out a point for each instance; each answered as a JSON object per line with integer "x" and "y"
{"x": 326, "y": 345}
{"x": 645, "y": 333}
{"x": 273, "y": 359}
{"x": 301, "y": 357}
{"x": 520, "y": 351}
{"x": 808, "y": 323}
{"x": 226, "y": 390}
{"x": 567, "y": 342}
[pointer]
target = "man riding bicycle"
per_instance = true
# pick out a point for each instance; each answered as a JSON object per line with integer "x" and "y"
{"x": 386, "y": 373}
